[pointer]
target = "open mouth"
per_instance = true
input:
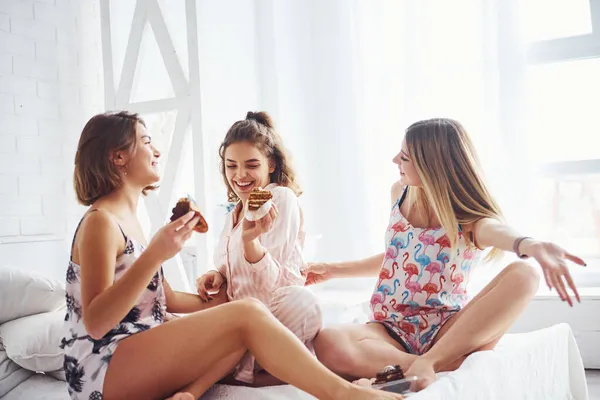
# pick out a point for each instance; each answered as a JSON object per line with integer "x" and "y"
{"x": 244, "y": 186}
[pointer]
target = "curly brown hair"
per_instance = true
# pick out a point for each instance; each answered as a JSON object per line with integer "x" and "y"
{"x": 258, "y": 128}
{"x": 95, "y": 174}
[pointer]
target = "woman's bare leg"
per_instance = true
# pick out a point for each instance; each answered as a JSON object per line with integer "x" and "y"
{"x": 481, "y": 323}
{"x": 181, "y": 354}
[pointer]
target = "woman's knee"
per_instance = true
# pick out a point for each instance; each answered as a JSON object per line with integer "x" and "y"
{"x": 334, "y": 349}
{"x": 250, "y": 307}
{"x": 524, "y": 277}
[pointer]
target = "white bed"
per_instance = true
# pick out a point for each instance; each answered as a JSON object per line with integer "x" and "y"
{"x": 542, "y": 365}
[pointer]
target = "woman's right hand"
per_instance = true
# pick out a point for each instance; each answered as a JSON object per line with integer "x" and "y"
{"x": 317, "y": 273}
{"x": 210, "y": 281}
{"x": 169, "y": 239}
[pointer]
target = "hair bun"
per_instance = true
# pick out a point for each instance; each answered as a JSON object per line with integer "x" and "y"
{"x": 261, "y": 117}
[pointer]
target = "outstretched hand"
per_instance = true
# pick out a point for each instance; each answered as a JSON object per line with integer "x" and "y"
{"x": 553, "y": 260}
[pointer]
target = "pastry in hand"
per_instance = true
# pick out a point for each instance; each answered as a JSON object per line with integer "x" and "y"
{"x": 389, "y": 373}
{"x": 258, "y": 205}
{"x": 257, "y": 198}
{"x": 185, "y": 205}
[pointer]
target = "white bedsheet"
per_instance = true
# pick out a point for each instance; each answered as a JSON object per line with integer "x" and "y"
{"x": 540, "y": 365}
{"x": 543, "y": 365}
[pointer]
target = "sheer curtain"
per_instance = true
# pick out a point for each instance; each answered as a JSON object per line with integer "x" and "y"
{"x": 344, "y": 78}
{"x": 347, "y": 78}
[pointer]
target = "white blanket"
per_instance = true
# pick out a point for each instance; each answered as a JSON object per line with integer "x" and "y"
{"x": 543, "y": 365}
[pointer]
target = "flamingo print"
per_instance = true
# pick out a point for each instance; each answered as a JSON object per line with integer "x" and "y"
{"x": 410, "y": 308}
{"x": 385, "y": 274}
{"x": 456, "y": 280}
{"x": 444, "y": 258}
{"x": 432, "y": 288}
{"x": 399, "y": 243}
{"x": 410, "y": 269}
{"x": 427, "y": 238}
{"x": 425, "y": 324}
{"x": 400, "y": 226}
{"x": 427, "y": 336}
{"x": 377, "y": 298}
{"x": 402, "y": 306}
{"x": 407, "y": 327}
{"x": 379, "y": 316}
{"x": 433, "y": 302}
{"x": 468, "y": 259}
{"x": 385, "y": 289}
{"x": 444, "y": 242}
{"x": 433, "y": 268}
{"x": 422, "y": 259}
{"x": 414, "y": 287}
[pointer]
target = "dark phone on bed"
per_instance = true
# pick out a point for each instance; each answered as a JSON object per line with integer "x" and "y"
{"x": 398, "y": 386}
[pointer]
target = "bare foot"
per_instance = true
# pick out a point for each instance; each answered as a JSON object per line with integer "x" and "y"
{"x": 422, "y": 369}
{"x": 182, "y": 396}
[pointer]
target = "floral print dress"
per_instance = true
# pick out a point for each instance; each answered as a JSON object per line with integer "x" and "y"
{"x": 86, "y": 359}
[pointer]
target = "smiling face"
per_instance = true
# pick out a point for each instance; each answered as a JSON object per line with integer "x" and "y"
{"x": 139, "y": 165}
{"x": 408, "y": 172}
{"x": 246, "y": 167}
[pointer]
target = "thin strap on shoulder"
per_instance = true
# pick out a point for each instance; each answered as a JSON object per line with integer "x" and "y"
{"x": 79, "y": 226}
{"x": 77, "y": 230}
{"x": 122, "y": 232}
{"x": 403, "y": 196}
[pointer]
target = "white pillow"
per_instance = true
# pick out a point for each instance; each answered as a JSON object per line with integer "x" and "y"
{"x": 11, "y": 375}
{"x": 23, "y": 293}
{"x": 33, "y": 342}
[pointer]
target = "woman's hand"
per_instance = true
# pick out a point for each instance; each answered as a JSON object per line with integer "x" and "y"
{"x": 253, "y": 229}
{"x": 553, "y": 260}
{"x": 317, "y": 273}
{"x": 169, "y": 239}
{"x": 209, "y": 283}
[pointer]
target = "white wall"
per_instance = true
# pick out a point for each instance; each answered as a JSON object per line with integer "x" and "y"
{"x": 50, "y": 84}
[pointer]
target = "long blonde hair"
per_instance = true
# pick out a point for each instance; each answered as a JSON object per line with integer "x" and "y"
{"x": 452, "y": 184}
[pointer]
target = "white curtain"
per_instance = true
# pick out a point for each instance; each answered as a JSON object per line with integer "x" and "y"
{"x": 343, "y": 79}
{"x": 347, "y": 77}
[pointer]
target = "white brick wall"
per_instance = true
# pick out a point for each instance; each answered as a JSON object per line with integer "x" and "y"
{"x": 45, "y": 98}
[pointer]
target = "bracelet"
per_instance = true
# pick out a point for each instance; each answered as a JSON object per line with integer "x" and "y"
{"x": 516, "y": 246}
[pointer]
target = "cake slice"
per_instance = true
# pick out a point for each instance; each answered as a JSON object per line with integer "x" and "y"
{"x": 257, "y": 198}
{"x": 185, "y": 205}
{"x": 389, "y": 373}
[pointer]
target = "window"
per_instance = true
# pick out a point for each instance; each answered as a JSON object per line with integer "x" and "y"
{"x": 554, "y": 19}
{"x": 561, "y": 121}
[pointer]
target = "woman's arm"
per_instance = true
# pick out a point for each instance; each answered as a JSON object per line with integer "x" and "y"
{"x": 270, "y": 250}
{"x": 552, "y": 258}
{"x": 365, "y": 268}
{"x": 185, "y": 303}
{"x": 105, "y": 302}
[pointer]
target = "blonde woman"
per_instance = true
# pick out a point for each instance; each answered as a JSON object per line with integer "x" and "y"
{"x": 442, "y": 217}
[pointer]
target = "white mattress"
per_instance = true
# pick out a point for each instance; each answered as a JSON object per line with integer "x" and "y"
{"x": 543, "y": 365}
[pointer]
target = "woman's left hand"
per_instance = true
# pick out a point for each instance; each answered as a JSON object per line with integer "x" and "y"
{"x": 253, "y": 229}
{"x": 553, "y": 260}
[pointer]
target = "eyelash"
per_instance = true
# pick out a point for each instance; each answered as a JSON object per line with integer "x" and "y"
{"x": 404, "y": 159}
{"x": 249, "y": 166}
